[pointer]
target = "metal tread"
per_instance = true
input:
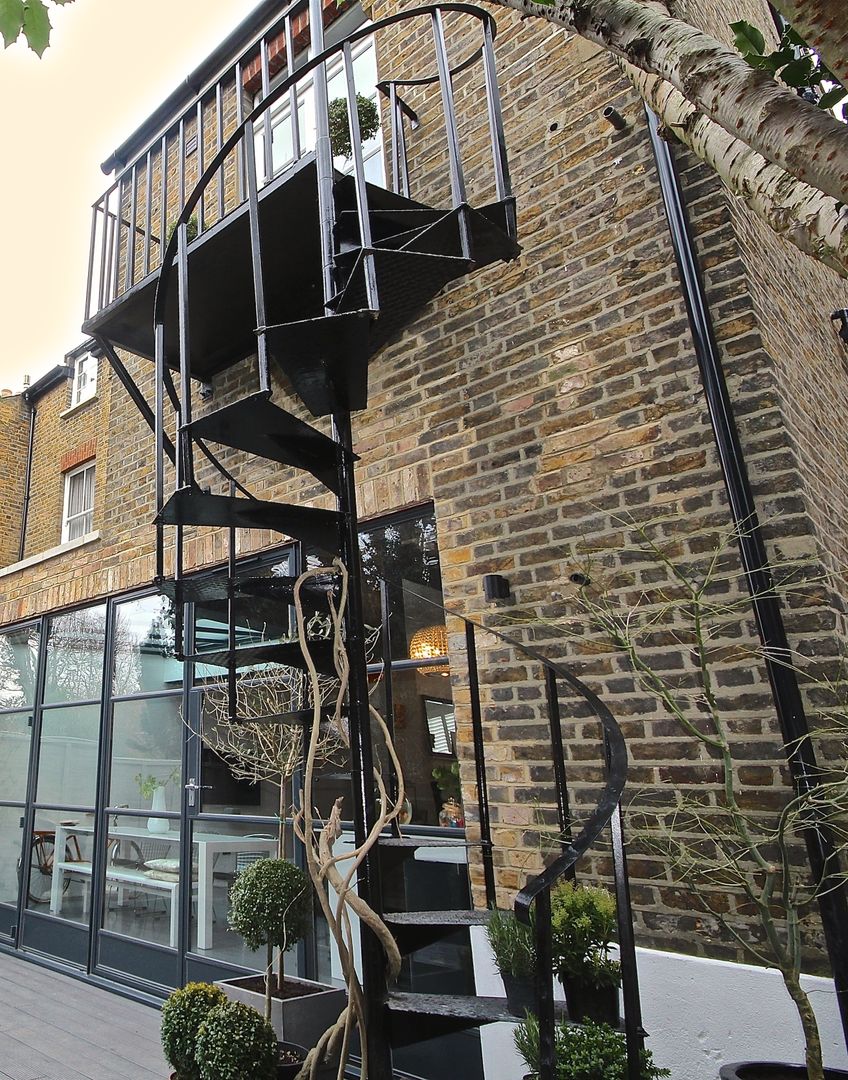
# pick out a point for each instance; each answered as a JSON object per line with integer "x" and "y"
{"x": 451, "y": 918}
{"x": 190, "y": 506}
{"x": 325, "y": 359}
{"x": 295, "y": 718}
{"x": 287, "y": 653}
{"x": 414, "y": 842}
{"x": 259, "y": 427}
{"x": 474, "y": 1010}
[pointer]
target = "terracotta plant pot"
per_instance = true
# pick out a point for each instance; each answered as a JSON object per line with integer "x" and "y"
{"x": 773, "y": 1070}
{"x": 520, "y": 996}
{"x": 290, "y": 1069}
{"x": 591, "y": 1002}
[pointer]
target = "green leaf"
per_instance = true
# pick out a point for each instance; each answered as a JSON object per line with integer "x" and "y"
{"x": 36, "y": 25}
{"x": 792, "y": 37}
{"x": 766, "y": 63}
{"x": 747, "y": 38}
{"x": 11, "y": 20}
{"x": 798, "y": 73}
{"x": 832, "y": 97}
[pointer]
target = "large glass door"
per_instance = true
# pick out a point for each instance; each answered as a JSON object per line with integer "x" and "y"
{"x": 19, "y": 659}
{"x": 142, "y": 882}
{"x": 63, "y": 785}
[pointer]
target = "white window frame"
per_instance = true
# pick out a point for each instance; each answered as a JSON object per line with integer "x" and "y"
{"x": 374, "y": 158}
{"x": 84, "y": 386}
{"x": 67, "y": 518}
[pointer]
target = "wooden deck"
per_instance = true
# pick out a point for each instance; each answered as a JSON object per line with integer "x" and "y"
{"x": 56, "y": 1028}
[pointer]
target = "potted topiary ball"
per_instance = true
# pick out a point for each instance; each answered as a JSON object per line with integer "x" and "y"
{"x": 271, "y": 906}
{"x": 236, "y": 1042}
{"x": 515, "y": 955}
{"x": 182, "y": 1014}
{"x": 583, "y": 922}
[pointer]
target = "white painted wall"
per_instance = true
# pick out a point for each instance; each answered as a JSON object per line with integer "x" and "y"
{"x": 699, "y": 1015}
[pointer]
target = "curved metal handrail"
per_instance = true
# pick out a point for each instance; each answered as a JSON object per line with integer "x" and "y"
{"x": 484, "y": 17}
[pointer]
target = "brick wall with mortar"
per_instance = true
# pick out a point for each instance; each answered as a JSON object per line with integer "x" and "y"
{"x": 537, "y": 404}
{"x": 14, "y": 425}
{"x": 64, "y": 439}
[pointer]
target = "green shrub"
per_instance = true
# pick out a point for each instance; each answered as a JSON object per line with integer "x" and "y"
{"x": 182, "y": 1014}
{"x": 234, "y": 1043}
{"x": 369, "y": 123}
{"x": 271, "y": 905}
{"x": 584, "y": 1052}
{"x": 583, "y": 922}
{"x": 513, "y": 945}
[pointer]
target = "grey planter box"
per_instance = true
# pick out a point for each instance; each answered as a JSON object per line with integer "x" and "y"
{"x": 300, "y": 1020}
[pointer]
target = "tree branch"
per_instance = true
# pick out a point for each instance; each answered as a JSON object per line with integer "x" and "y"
{"x": 822, "y": 24}
{"x": 749, "y": 104}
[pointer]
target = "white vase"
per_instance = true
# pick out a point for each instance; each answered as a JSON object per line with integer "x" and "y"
{"x": 158, "y": 824}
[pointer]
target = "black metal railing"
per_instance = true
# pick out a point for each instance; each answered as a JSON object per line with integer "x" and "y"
{"x": 243, "y": 143}
{"x": 535, "y": 897}
{"x": 133, "y": 221}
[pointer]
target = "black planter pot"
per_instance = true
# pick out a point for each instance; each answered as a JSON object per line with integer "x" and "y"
{"x": 520, "y": 997}
{"x": 289, "y": 1070}
{"x": 591, "y": 1002}
{"x": 773, "y": 1070}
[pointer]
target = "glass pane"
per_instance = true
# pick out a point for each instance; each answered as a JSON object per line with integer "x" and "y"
{"x": 15, "y": 734}
{"x": 75, "y": 656}
{"x": 144, "y": 647}
{"x": 424, "y": 735}
{"x": 146, "y": 753}
{"x": 18, "y": 666}
{"x": 60, "y": 864}
{"x": 67, "y": 761}
{"x": 218, "y": 852}
{"x": 142, "y": 879}
{"x": 406, "y": 554}
{"x": 10, "y": 852}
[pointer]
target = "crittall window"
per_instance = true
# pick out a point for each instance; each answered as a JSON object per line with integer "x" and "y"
{"x": 78, "y": 511}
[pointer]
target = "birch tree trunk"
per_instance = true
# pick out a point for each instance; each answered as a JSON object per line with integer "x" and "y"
{"x": 749, "y": 104}
{"x": 799, "y": 213}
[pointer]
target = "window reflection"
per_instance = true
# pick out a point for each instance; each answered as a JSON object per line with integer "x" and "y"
{"x": 15, "y": 733}
{"x": 144, "y": 647}
{"x": 10, "y": 851}
{"x": 67, "y": 760}
{"x": 146, "y": 754}
{"x": 75, "y": 644}
{"x": 18, "y": 666}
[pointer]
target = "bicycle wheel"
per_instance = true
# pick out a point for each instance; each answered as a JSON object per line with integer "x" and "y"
{"x": 41, "y": 870}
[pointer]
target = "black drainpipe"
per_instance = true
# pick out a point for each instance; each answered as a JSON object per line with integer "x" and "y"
{"x": 28, "y": 477}
{"x": 801, "y": 756}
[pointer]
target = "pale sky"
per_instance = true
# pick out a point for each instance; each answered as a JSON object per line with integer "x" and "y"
{"x": 109, "y": 65}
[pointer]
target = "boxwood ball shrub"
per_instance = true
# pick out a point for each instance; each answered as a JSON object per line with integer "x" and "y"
{"x": 182, "y": 1014}
{"x": 271, "y": 905}
{"x": 236, "y": 1043}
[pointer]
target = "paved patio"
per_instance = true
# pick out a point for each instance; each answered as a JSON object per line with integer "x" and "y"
{"x": 56, "y": 1028}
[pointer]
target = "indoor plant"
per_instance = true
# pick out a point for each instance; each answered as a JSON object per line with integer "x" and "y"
{"x": 582, "y": 928}
{"x": 515, "y": 955}
{"x": 182, "y": 1014}
{"x": 587, "y": 1052}
{"x": 235, "y": 1042}
{"x": 271, "y": 905}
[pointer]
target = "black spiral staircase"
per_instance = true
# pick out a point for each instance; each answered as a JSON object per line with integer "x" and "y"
{"x": 316, "y": 272}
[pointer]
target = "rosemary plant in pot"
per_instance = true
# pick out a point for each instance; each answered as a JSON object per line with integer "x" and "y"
{"x": 515, "y": 956}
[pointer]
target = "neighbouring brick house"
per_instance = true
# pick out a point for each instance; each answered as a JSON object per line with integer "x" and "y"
{"x": 523, "y": 419}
